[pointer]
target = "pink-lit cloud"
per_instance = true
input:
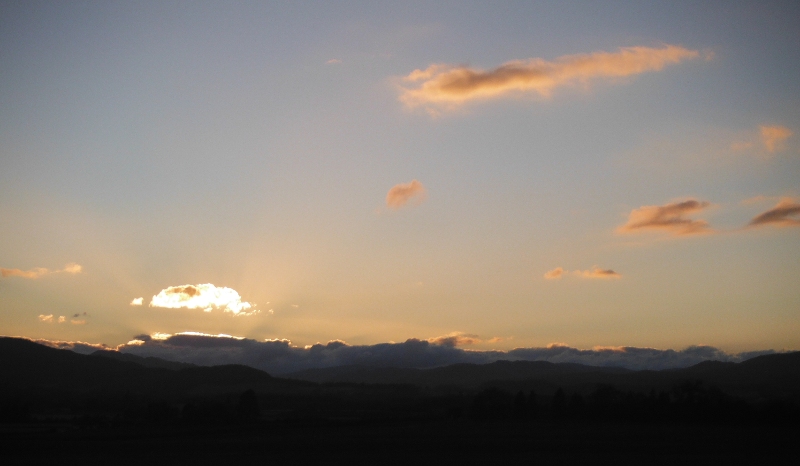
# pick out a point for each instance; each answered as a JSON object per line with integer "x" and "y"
{"x": 38, "y": 272}
{"x": 780, "y": 215}
{"x": 205, "y": 296}
{"x": 403, "y": 194}
{"x": 445, "y": 87}
{"x": 670, "y": 218}
{"x": 774, "y": 137}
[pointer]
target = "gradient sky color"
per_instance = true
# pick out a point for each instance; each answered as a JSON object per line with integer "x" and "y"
{"x": 615, "y": 174}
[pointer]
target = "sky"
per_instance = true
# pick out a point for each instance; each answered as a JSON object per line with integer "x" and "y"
{"x": 471, "y": 176}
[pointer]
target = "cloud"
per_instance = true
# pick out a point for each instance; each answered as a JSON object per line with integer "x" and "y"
{"x": 670, "y": 218}
{"x": 555, "y": 274}
{"x": 137, "y": 301}
{"x": 61, "y": 319}
{"x": 774, "y": 137}
{"x": 595, "y": 272}
{"x": 46, "y": 318}
{"x": 780, "y": 214}
{"x": 455, "y": 339}
{"x": 445, "y": 86}
{"x": 76, "y": 346}
{"x": 598, "y": 273}
{"x": 333, "y": 61}
{"x": 71, "y": 268}
{"x": 205, "y": 297}
{"x": 281, "y": 357}
{"x": 401, "y": 194}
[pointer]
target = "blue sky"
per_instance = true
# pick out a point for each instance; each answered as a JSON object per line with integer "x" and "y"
{"x": 252, "y": 147}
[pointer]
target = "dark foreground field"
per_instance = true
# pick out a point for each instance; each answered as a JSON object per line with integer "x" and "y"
{"x": 380, "y": 442}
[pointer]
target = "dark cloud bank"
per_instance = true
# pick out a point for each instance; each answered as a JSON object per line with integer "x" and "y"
{"x": 280, "y": 357}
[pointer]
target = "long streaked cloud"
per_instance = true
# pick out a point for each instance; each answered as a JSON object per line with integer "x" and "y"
{"x": 442, "y": 86}
{"x": 37, "y": 272}
{"x": 670, "y": 218}
{"x": 204, "y": 296}
{"x": 281, "y": 357}
{"x": 412, "y": 193}
{"x": 774, "y": 137}
{"x": 780, "y": 215}
{"x": 595, "y": 272}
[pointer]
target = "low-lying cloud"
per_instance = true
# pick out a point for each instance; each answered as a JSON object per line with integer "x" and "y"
{"x": 780, "y": 215}
{"x": 204, "y": 296}
{"x": 404, "y": 194}
{"x": 670, "y": 218}
{"x": 281, "y": 357}
{"x": 455, "y": 339}
{"x": 37, "y": 272}
{"x": 445, "y": 87}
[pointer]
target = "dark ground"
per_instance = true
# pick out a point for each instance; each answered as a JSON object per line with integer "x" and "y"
{"x": 409, "y": 442}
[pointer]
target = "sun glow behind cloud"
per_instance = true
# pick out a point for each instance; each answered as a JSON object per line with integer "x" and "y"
{"x": 444, "y": 87}
{"x": 204, "y": 296}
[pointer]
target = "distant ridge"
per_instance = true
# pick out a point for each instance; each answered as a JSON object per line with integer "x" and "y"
{"x": 146, "y": 362}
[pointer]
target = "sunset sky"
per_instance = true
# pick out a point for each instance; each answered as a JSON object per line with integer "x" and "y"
{"x": 488, "y": 175}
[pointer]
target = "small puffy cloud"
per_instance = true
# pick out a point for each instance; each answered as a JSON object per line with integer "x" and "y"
{"x": 780, "y": 215}
{"x": 774, "y": 137}
{"x": 447, "y": 87}
{"x": 71, "y": 268}
{"x": 137, "y": 301}
{"x": 670, "y": 218}
{"x": 554, "y": 274}
{"x": 405, "y": 193}
{"x": 205, "y": 296}
{"x": 46, "y": 318}
{"x": 597, "y": 272}
{"x": 455, "y": 339}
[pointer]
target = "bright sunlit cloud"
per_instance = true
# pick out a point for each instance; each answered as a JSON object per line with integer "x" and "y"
{"x": 780, "y": 215}
{"x": 403, "y": 194}
{"x": 774, "y": 137}
{"x": 670, "y": 218}
{"x": 46, "y": 318}
{"x": 454, "y": 339}
{"x": 137, "y": 301}
{"x": 205, "y": 296}
{"x": 71, "y": 268}
{"x": 445, "y": 87}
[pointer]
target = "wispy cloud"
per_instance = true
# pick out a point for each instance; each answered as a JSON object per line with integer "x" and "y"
{"x": 774, "y": 137}
{"x": 555, "y": 274}
{"x": 595, "y": 272}
{"x": 403, "y": 194}
{"x": 455, "y": 339}
{"x": 205, "y": 296}
{"x": 333, "y": 61}
{"x": 780, "y": 215}
{"x": 38, "y": 272}
{"x": 670, "y": 218}
{"x": 46, "y": 318}
{"x": 445, "y": 87}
